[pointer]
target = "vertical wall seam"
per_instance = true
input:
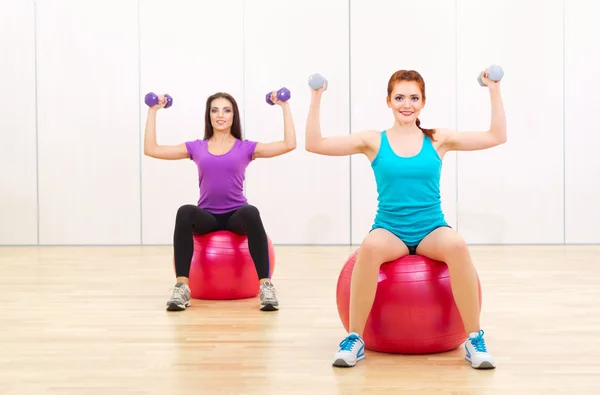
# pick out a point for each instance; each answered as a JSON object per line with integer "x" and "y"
{"x": 350, "y": 112}
{"x": 456, "y": 20}
{"x": 141, "y": 194}
{"x": 564, "y": 94}
{"x": 244, "y": 80}
{"x": 37, "y": 150}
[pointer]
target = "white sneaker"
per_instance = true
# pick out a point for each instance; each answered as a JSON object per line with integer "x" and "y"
{"x": 476, "y": 352}
{"x": 268, "y": 297}
{"x": 180, "y": 300}
{"x": 352, "y": 350}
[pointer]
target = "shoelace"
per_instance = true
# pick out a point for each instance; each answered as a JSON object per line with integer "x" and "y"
{"x": 178, "y": 292}
{"x": 348, "y": 343}
{"x": 268, "y": 292}
{"x": 479, "y": 343}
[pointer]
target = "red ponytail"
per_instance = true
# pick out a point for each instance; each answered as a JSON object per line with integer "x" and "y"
{"x": 428, "y": 132}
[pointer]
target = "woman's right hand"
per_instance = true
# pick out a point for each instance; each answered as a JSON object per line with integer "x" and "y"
{"x": 162, "y": 102}
{"x": 320, "y": 91}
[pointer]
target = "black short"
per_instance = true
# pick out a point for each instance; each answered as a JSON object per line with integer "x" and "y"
{"x": 412, "y": 250}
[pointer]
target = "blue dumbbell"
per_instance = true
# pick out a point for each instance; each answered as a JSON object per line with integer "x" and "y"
{"x": 494, "y": 73}
{"x": 316, "y": 81}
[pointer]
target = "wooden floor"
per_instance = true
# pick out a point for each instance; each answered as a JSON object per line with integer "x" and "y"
{"x": 91, "y": 320}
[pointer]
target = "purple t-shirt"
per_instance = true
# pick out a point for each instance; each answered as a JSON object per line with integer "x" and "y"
{"x": 221, "y": 177}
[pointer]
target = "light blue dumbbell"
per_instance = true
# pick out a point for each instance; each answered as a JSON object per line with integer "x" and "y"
{"x": 316, "y": 81}
{"x": 494, "y": 73}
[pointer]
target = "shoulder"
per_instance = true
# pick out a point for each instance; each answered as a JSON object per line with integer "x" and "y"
{"x": 193, "y": 147}
{"x": 442, "y": 135}
{"x": 194, "y": 143}
{"x": 369, "y": 141}
{"x": 368, "y": 135}
{"x": 248, "y": 147}
{"x": 443, "y": 139}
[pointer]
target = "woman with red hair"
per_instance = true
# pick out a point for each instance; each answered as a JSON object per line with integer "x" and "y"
{"x": 407, "y": 163}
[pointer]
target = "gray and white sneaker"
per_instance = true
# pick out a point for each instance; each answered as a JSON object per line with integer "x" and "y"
{"x": 180, "y": 299}
{"x": 268, "y": 297}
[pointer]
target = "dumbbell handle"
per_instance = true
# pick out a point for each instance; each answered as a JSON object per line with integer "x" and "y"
{"x": 494, "y": 73}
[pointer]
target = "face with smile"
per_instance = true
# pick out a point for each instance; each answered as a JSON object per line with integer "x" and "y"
{"x": 406, "y": 101}
{"x": 221, "y": 114}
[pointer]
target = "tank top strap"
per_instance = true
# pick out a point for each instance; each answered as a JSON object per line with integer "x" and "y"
{"x": 427, "y": 143}
{"x": 429, "y": 147}
{"x": 384, "y": 144}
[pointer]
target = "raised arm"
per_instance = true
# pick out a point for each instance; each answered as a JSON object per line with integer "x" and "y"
{"x": 151, "y": 147}
{"x": 276, "y": 148}
{"x": 342, "y": 145}
{"x": 479, "y": 140}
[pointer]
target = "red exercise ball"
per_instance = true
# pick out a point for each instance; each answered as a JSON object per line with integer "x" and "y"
{"x": 222, "y": 268}
{"x": 414, "y": 310}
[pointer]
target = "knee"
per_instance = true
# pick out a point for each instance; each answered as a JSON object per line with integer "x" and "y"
{"x": 372, "y": 252}
{"x": 456, "y": 248}
{"x": 250, "y": 213}
{"x": 185, "y": 213}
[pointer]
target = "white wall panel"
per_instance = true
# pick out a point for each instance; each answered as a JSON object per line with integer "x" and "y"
{"x": 582, "y": 130}
{"x": 303, "y": 197}
{"x": 512, "y": 193}
{"x": 18, "y": 162}
{"x": 189, "y": 49}
{"x": 88, "y": 106}
{"x": 424, "y": 40}
{"x": 96, "y": 61}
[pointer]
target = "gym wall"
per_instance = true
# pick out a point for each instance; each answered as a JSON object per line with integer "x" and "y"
{"x": 74, "y": 75}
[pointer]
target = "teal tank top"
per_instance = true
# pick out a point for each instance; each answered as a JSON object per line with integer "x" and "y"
{"x": 408, "y": 188}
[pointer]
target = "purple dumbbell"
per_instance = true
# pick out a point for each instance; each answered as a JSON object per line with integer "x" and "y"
{"x": 283, "y": 94}
{"x": 151, "y": 99}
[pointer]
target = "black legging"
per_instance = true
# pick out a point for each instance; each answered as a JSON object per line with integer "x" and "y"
{"x": 245, "y": 220}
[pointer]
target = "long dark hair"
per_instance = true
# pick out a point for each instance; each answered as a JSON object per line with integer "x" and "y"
{"x": 236, "y": 127}
{"x": 411, "y": 75}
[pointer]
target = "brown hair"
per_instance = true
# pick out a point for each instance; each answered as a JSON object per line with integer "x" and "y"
{"x": 236, "y": 127}
{"x": 410, "y": 75}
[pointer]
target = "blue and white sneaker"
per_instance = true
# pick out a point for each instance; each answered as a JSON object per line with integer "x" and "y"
{"x": 352, "y": 350}
{"x": 476, "y": 352}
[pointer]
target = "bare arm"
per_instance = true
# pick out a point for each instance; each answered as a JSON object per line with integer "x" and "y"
{"x": 152, "y": 149}
{"x": 496, "y": 135}
{"x": 276, "y": 148}
{"x": 343, "y": 145}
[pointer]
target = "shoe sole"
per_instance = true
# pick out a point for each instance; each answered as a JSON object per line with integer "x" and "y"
{"x": 482, "y": 365}
{"x": 178, "y": 307}
{"x": 342, "y": 363}
{"x": 268, "y": 307}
